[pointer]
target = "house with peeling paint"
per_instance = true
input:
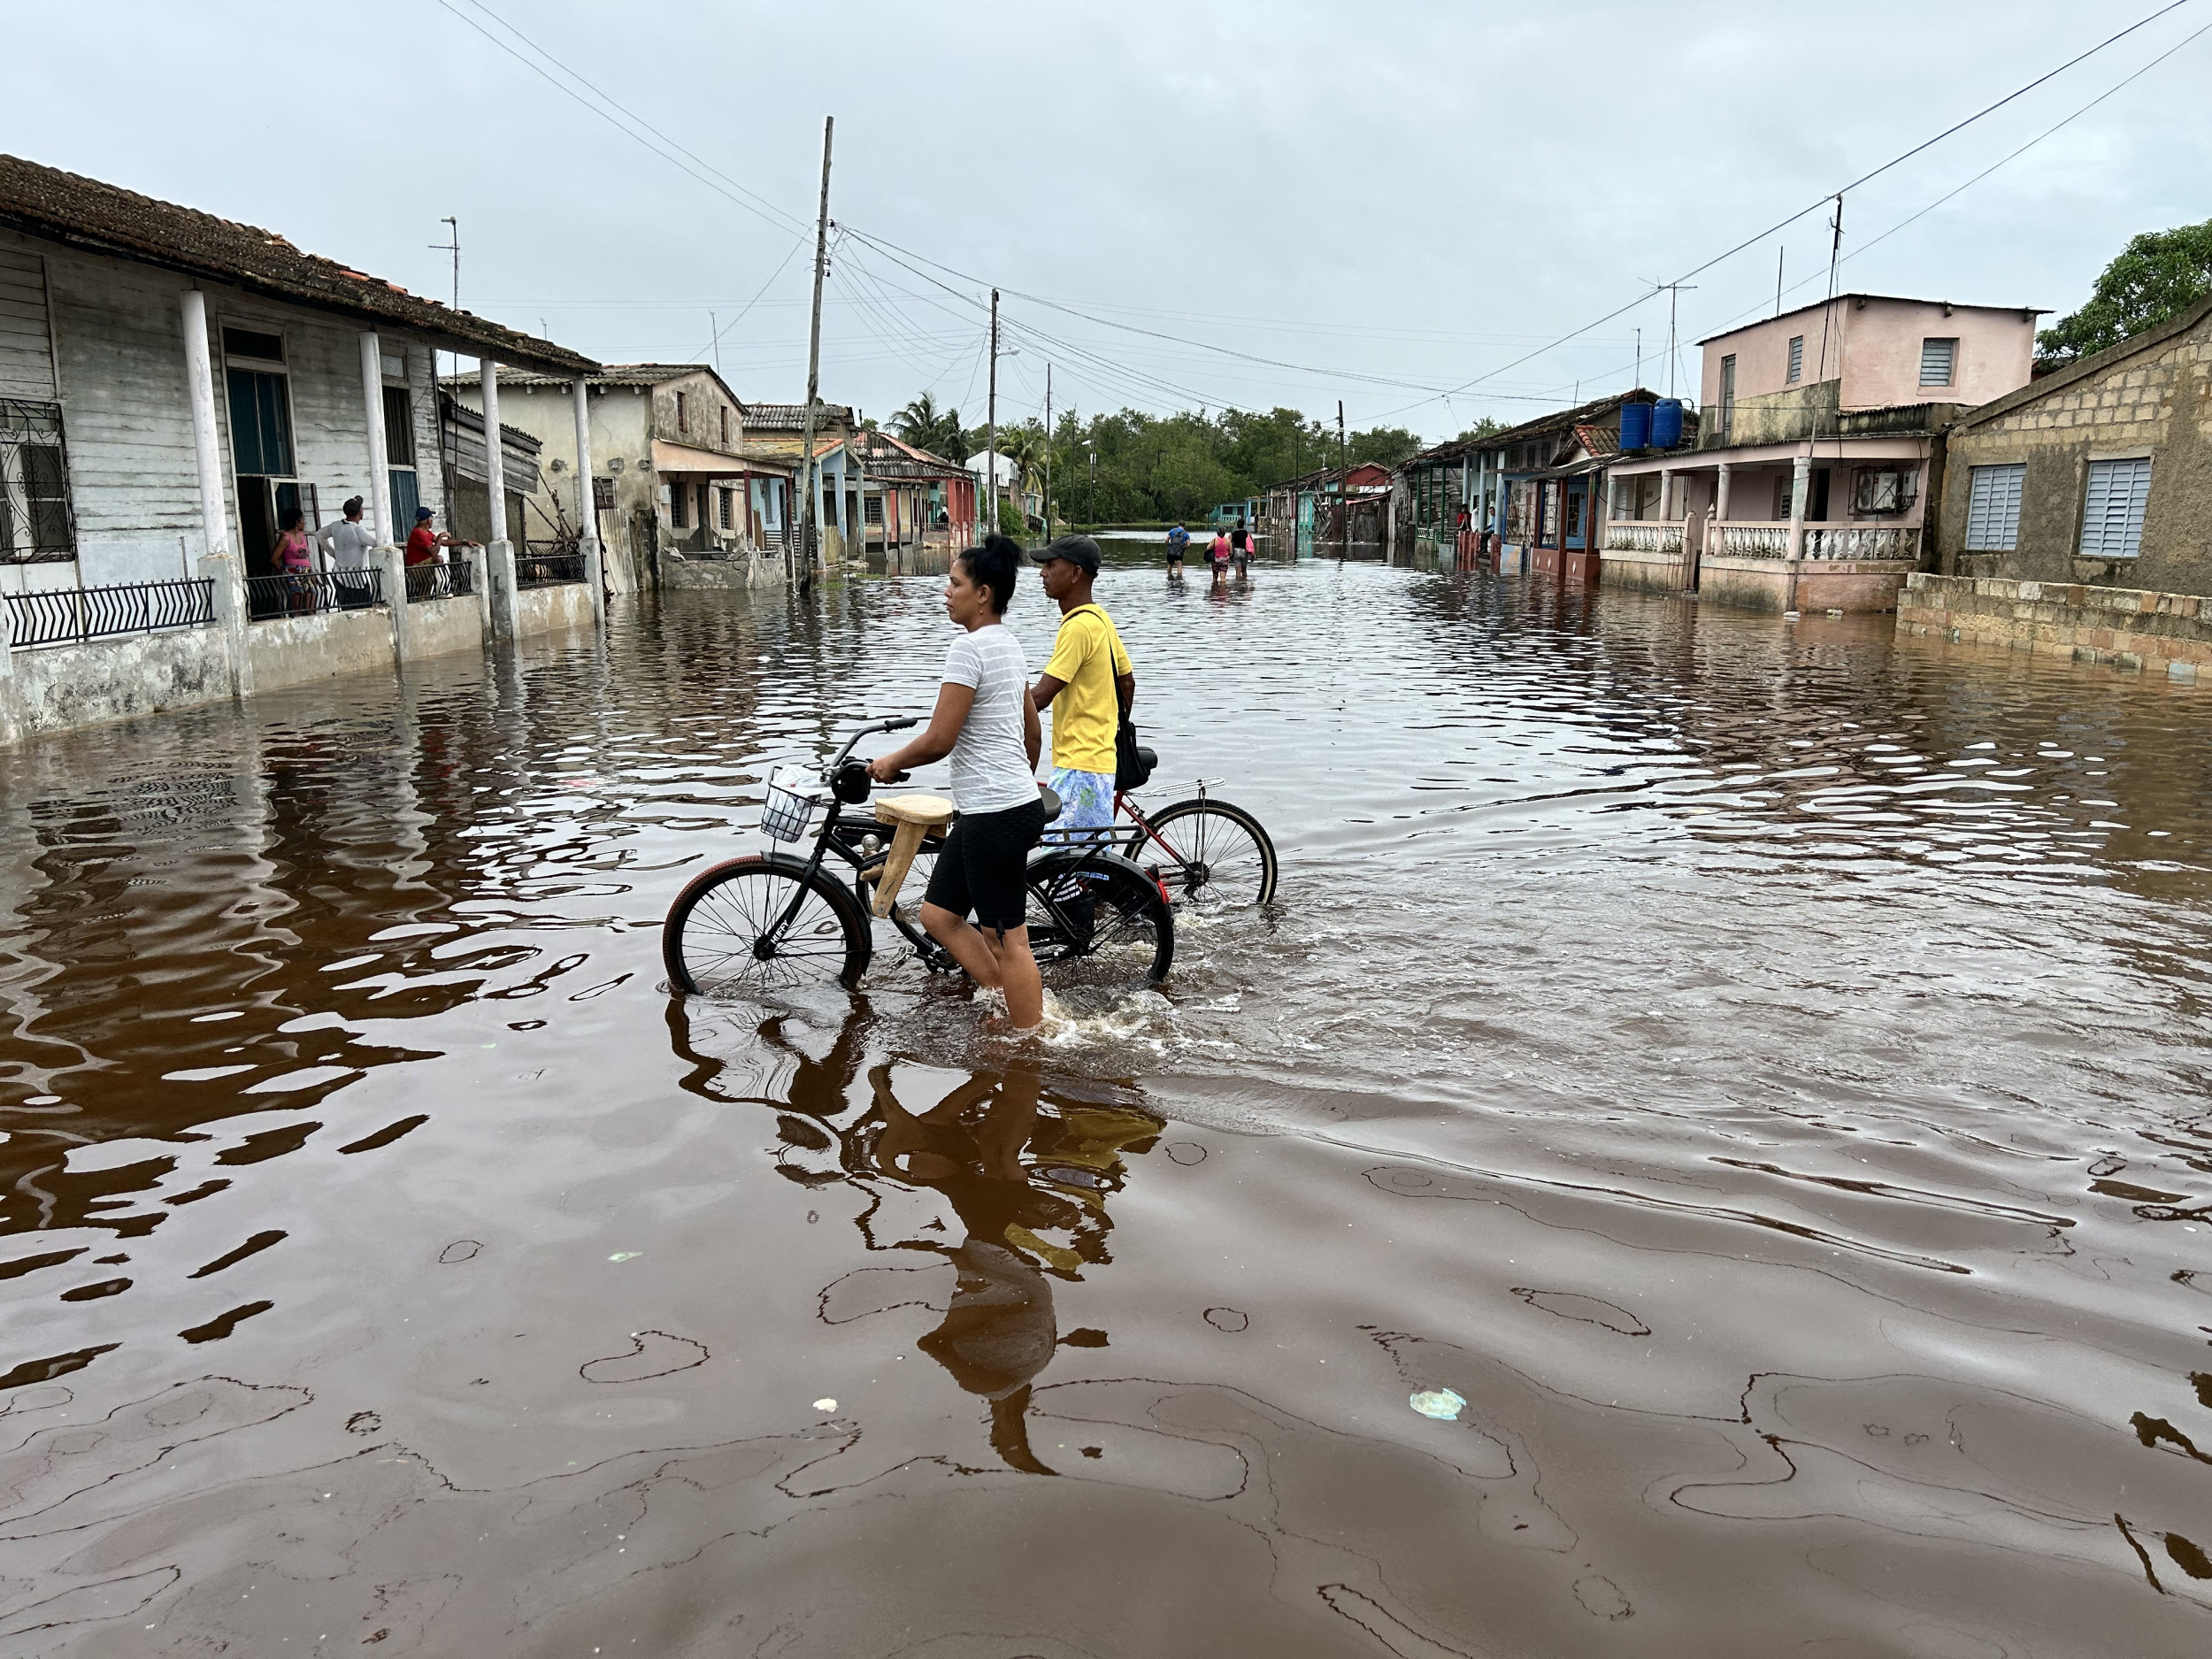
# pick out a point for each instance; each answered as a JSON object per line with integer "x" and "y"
{"x": 173, "y": 386}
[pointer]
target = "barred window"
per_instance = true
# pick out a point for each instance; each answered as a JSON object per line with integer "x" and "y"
{"x": 602, "y": 495}
{"x": 722, "y": 505}
{"x": 37, "y": 526}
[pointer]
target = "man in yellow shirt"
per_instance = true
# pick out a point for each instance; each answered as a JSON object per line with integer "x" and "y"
{"x": 1087, "y": 685}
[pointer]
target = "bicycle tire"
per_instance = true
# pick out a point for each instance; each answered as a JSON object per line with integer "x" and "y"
{"x": 1222, "y": 857}
{"x": 710, "y": 942}
{"x": 1130, "y": 923}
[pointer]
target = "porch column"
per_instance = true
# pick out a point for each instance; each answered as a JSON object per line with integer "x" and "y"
{"x": 199, "y": 374}
{"x": 1800, "y": 482}
{"x": 499, "y": 553}
{"x": 1720, "y": 494}
{"x": 587, "y": 514}
{"x": 494, "y": 462}
{"x": 821, "y": 504}
{"x": 379, "y": 502}
{"x": 1666, "y": 496}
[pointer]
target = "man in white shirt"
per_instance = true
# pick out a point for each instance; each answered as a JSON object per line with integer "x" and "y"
{"x": 345, "y": 543}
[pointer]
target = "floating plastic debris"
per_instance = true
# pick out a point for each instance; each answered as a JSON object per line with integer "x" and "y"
{"x": 1443, "y": 1404}
{"x": 625, "y": 1255}
{"x": 825, "y": 1405}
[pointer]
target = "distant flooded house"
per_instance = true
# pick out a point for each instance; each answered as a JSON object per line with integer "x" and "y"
{"x": 674, "y": 466}
{"x": 1536, "y": 489}
{"x": 1338, "y": 512}
{"x": 1818, "y": 453}
{"x": 914, "y": 498}
{"x": 2099, "y": 474}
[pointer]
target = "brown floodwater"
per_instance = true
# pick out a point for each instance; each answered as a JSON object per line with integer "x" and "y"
{"x": 1707, "y": 1154}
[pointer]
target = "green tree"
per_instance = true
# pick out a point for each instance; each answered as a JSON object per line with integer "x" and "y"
{"x": 2159, "y": 274}
{"x": 1489, "y": 426}
{"x": 924, "y": 425}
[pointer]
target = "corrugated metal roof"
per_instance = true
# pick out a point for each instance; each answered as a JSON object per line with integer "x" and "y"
{"x": 85, "y": 214}
{"x": 792, "y": 417}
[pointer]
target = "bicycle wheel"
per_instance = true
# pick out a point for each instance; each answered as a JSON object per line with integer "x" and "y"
{"x": 1209, "y": 854}
{"x": 721, "y": 934}
{"x": 1098, "y": 908}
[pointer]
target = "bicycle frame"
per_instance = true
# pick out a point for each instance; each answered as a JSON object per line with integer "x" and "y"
{"x": 845, "y": 837}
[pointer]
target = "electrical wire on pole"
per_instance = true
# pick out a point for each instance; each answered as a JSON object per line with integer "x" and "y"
{"x": 809, "y": 471}
{"x": 990, "y": 475}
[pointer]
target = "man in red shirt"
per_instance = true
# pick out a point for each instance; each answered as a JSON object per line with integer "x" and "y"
{"x": 423, "y": 542}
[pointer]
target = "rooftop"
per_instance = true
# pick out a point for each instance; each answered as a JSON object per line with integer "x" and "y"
{"x": 1894, "y": 299}
{"x": 104, "y": 219}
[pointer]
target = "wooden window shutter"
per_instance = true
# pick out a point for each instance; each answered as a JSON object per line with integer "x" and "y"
{"x": 2112, "y": 519}
{"x": 1992, "y": 508}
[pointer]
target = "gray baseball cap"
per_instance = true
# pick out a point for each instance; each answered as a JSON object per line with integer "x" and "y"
{"x": 1078, "y": 550}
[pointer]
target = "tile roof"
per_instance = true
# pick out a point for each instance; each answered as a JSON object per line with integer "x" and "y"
{"x": 792, "y": 417}
{"x": 104, "y": 219}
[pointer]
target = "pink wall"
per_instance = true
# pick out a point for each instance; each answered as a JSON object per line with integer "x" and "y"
{"x": 1874, "y": 345}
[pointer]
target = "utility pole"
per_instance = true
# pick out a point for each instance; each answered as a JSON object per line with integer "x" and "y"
{"x": 1636, "y": 384}
{"x": 808, "y": 529}
{"x": 714, "y": 333}
{"x": 453, "y": 248}
{"x": 1047, "y": 452}
{"x": 1778, "y": 253}
{"x": 1673, "y": 291}
{"x": 991, "y": 421}
{"x": 1340, "y": 450}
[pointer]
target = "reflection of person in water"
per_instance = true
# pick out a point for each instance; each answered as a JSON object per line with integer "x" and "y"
{"x": 1027, "y": 1175}
{"x": 999, "y": 1331}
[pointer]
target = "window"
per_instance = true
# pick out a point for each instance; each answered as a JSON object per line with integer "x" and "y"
{"x": 248, "y": 342}
{"x": 2112, "y": 521}
{"x": 1992, "y": 508}
{"x": 260, "y": 423}
{"x": 1727, "y": 395}
{"x": 1937, "y": 360}
{"x": 676, "y": 504}
{"x": 725, "y": 426}
{"x": 723, "y": 495}
{"x": 1884, "y": 490}
{"x": 602, "y": 495}
{"x": 399, "y": 426}
{"x": 35, "y": 519}
{"x": 1797, "y": 358}
{"x": 683, "y": 412}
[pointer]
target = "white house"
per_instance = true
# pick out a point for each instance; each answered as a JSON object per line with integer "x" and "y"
{"x": 171, "y": 383}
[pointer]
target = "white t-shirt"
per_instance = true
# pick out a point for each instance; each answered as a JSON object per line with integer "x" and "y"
{"x": 347, "y": 543}
{"x": 990, "y": 763}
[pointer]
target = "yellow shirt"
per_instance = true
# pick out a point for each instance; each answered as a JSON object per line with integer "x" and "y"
{"x": 1087, "y": 659}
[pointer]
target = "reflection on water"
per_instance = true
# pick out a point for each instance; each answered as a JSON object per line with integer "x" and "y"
{"x": 1757, "y": 1071}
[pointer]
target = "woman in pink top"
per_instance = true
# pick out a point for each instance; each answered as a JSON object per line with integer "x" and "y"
{"x": 294, "y": 558}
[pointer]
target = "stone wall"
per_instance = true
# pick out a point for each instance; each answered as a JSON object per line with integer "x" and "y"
{"x": 2129, "y": 628}
{"x": 2152, "y": 397}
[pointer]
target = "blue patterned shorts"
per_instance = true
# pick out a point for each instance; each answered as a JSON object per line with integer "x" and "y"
{"x": 1086, "y": 807}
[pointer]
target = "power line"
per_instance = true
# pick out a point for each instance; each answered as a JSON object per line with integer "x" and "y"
{"x": 1783, "y": 224}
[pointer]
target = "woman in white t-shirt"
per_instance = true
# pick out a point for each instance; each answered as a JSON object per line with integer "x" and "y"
{"x": 985, "y": 721}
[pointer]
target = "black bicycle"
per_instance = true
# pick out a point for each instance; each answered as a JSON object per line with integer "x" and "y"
{"x": 776, "y": 921}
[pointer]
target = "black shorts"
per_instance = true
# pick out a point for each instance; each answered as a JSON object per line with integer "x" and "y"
{"x": 983, "y": 863}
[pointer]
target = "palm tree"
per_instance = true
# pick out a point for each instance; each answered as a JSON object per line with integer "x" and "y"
{"x": 924, "y": 425}
{"x": 1025, "y": 446}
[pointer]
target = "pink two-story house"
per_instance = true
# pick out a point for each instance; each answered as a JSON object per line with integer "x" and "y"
{"x": 1810, "y": 480}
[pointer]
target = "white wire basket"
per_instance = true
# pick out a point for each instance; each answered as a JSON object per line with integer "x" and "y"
{"x": 790, "y": 806}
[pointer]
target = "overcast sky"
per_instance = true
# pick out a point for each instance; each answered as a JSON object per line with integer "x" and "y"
{"x": 1390, "y": 203}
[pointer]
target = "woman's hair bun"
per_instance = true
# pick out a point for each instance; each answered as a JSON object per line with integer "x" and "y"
{"x": 994, "y": 566}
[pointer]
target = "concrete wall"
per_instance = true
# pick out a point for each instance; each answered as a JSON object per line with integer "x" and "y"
{"x": 436, "y": 628}
{"x": 59, "y": 686}
{"x": 1873, "y": 351}
{"x": 2154, "y": 400}
{"x": 1763, "y": 584}
{"x": 2132, "y": 628}
{"x": 295, "y": 650}
{"x": 552, "y": 610}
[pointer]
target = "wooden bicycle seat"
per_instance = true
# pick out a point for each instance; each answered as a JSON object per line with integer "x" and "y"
{"x": 915, "y": 816}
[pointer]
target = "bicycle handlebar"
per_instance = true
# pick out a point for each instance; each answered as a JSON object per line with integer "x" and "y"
{"x": 898, "y": 724}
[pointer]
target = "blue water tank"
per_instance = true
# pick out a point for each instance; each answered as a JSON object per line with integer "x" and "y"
{"x": 1666, "y": 423}
{"x": 1635, "y": 425}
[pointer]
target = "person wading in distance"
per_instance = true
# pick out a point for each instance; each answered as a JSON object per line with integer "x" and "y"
{"x": 985, "y": 721}
{"x": 1088, "y": 684}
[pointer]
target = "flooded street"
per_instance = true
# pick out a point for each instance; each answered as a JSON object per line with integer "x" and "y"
{"x": 1708, "y": 1154}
